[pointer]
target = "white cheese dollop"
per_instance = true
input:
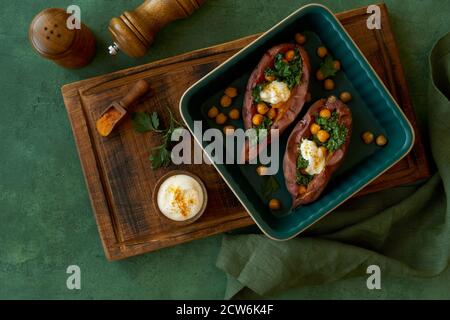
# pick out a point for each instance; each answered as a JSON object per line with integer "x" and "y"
{"x": 180, "y": 197}
{"x": 275, "y": 92}
{"x": 314, "y": 155}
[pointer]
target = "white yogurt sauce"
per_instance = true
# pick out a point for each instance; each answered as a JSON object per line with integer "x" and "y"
{"x": 275, "y": 92}
{"x": 180, "y": 197}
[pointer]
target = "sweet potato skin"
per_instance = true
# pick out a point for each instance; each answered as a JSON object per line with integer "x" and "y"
{"x": 298, "y": 94}
{"x": 333, "y": 161}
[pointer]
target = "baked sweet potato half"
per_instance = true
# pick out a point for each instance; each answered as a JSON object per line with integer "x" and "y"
{"x": 316, "y": 148}
{"x": 275, "y": 92}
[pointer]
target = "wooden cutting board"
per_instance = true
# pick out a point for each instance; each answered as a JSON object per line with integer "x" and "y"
{"x": 120, "y": 180}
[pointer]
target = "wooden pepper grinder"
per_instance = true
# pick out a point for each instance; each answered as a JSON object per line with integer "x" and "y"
{"x": 135, "y": 31}
{"x": 51, "y": 38}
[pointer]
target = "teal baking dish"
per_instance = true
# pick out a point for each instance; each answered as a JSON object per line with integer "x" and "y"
{"x": 372, "y": 106}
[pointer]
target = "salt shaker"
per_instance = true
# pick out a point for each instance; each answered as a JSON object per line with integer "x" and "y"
{"x": 53, "y": 40}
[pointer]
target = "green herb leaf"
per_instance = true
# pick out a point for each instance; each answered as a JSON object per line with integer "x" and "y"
{"x": 160, "y": 158}
{"x": 327, "y": 67}
{"x": 302, "y": 163}
{"x": 144, "y": 122}
{"x": 270, "y": 186}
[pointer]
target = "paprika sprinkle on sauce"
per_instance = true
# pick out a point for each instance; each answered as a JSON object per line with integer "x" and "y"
{"x": 180, "y": 197}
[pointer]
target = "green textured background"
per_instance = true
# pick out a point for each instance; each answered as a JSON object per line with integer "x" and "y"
{"x": 46, "y": 222}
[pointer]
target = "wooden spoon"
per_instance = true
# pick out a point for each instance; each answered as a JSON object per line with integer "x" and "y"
{"x": 117, "y": 110}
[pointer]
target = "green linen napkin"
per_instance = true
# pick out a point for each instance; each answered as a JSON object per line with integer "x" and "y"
{"x": 405, "y": 231}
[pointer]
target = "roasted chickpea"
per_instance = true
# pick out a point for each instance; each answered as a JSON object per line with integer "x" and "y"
{"x": 231, "y": 92}
{"x": 315, "y": 128}
{"x": 337, "y": 65}
{"x": 323, "y": 136}
{"x": 381, "y": 140}
{"x": 213, "y": 112}
{"x": 325, "y": 113}
{"x": 300, "y": 38}
{"x": 257, "y": 119}
{"x": 269, "y": 78}
{"x": 228, "y": 130}
{"x": 221, "y": 118}
{"x": 262, "y": 108}
{"x": 274, "y": 204}
{"x": 319, "y": 75}
{"x": 261, "y": 170}
{"x": 289, "y": 55}
{"x": 345, "y": 96}
{"x": 301, "y": 189}
{"x": 322, "y": 52}
{"x": 328, "y": 84}
{"x": 272, "y": 114}
{"x": 234, "y": 114}
{"x": 225, "y": 101}
{"x": 367, "y": 137}
{"x": 308, "y": 97}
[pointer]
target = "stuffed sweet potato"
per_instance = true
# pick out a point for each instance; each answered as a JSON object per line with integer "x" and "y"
{"x": 316, "y": 148}
{"x": 276, "y": 92}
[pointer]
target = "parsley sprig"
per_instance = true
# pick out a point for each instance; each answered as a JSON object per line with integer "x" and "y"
{"x": 150, "y": 122}
{"x": 327, "y": 67}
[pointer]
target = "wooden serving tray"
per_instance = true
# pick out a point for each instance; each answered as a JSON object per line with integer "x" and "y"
{"x": 120, "y": 180}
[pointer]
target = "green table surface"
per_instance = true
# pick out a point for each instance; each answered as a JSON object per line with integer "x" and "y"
{"x": 46, "y": 220}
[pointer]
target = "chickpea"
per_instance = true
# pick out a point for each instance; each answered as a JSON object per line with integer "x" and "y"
{"x": 367, "y": 137}
{"x": 328, "y": 84}
{"x": 345, "y": 96}
{"x": 324, "y": 150}
{"x": 272, "y": 114}
{"x": 381, "y": 140}
{"x": 221, "y": 118}
{"x": 319, "y": 75}
{"x": 337, "y": 65}
{"x": 257, "y": 119}
{"x": 261, "y": 170}
{"x": 325, "y": 113}
{"x": 323, "y": 136}
{"x": 308, "y": 97}
{"x": 228, "y": 130}
{"x": 274, "y": 204}
{"x": 300, "y": 38}
{"x": 213, "y": 112}
{"x": 315, "y": 128}
{"x": 231, "y": 92}
{"x": 322, "y": 52}
{"x": 301, "y": 189}
{"x": 289, "y": 55}
{"x": 269, "y": 78}
{"x": 225, "y": 101}
{"x": 234, "y": 114}
{"x": 262, "y": 108}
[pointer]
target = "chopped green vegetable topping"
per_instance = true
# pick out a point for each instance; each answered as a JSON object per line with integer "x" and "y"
{"x": 257, "y": 91}
{"x": 302, "y": 163}
{"x": 287, "y": 72}
{"x": 303, "y": 179}
{"x": 261, "y": 131}
{"x": 337, "y": 131}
